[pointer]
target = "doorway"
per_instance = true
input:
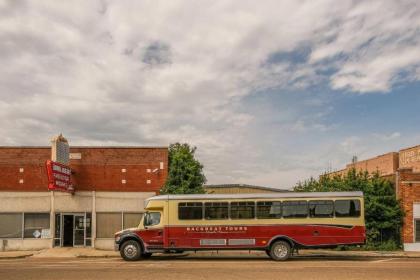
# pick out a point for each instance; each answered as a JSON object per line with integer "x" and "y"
{"x": 68, "y": 222}
{"x": 73, "y": 229}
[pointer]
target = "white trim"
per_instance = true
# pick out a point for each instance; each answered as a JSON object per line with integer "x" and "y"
{"x": 416, "y": 210}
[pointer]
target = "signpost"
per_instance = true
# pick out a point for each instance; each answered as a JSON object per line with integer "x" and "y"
{"x": 59, "y": 177}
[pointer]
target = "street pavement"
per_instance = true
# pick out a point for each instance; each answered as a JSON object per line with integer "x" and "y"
{"x": 211, "y": 267}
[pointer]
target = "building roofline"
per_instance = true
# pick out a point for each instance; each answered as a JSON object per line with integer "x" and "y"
{"x": 409, "y": 148}
{"x": 349, "y": 164}
{"x": 256, "y": 195}
{"x": 87, "y": 147}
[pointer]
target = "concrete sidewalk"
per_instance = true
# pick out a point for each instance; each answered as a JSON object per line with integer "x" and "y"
{"x": 17, "y": 254}
{"x": 60, "y": 253}
{"x": 94, "y": 253}
{"x": 366, "y": 254}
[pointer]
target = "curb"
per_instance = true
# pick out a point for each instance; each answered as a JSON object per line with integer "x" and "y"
{"x": 15, "y": 257}
{"x": 356, "y": 256}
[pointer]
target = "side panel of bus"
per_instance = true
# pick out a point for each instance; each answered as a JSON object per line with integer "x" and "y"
{"x": 252, "y": 236}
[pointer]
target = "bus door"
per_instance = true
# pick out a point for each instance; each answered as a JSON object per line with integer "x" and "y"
{"x": 154, "y": 233}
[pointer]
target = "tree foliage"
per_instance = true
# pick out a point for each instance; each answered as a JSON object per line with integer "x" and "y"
{"x": 185, "y": 172}
{"x": 383, "y": 213}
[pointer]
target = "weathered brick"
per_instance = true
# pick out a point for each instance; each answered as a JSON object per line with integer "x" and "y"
{"x": 100, "y": 168}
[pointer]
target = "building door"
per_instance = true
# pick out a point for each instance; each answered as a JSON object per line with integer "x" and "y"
{"x": 79, "y": 230}
{"x": 68, "y": 222}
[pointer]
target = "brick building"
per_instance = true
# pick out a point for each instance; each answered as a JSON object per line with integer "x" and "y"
{"x": 386, "y": 165}
{"x": 111, "y": 185}
{"x": 403, "y": 168}
{"x": 409, "y": 194}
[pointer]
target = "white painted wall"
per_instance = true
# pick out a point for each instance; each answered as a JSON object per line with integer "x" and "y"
{"x": 413, "y": 247}
{"x": 57, "y": 202}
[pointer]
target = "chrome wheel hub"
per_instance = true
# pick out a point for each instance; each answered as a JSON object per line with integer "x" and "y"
{"x": 280, "y": 251}
{"x": 130, "y": 251}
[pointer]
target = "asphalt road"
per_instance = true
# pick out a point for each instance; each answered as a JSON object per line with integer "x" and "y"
{"x": 194, "y": 268}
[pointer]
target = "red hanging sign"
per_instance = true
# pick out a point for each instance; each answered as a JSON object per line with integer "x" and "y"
{"x": 59, "y": 177}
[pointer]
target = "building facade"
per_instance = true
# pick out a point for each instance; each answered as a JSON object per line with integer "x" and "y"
{"x": 386, "y": 165}
{"x": 111, "y": 184}
{"x": 403, "y": 169}
{"x": 409, "y": 194}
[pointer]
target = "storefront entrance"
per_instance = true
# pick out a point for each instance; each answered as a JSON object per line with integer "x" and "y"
{"x": 72, "y": 230}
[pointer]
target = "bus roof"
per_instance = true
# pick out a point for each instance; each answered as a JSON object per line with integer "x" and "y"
{"x": 255, "y": 195}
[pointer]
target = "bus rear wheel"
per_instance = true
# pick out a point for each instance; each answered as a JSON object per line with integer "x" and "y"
{"x": 130, "y": 250}
{"x": 280, "y": 250}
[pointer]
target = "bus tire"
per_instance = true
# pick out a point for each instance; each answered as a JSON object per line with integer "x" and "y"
{"x": 280, "y": 250}
{"x": 131, "y": 250}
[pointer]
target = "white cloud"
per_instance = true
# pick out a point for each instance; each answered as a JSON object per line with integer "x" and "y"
{"x": 141, "y": 72}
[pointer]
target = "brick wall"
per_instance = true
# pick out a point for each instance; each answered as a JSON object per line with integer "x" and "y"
{"x": 410, "y": 157}
{"x": 95, "y": 168}
{"x": 386, "y": 164}
{"x": 408, "y": 193}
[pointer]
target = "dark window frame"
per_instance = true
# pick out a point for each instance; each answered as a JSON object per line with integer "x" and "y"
{"x": 237, "y": 205}
{"x": 263, "y": 204}
{"x": 191, "y": 205}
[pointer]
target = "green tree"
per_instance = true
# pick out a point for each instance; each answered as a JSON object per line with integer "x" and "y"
{"x": 383, "y": 213}
{"x": 185, "y": 172}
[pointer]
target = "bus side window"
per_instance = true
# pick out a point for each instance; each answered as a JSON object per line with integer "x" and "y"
{"x": 268, "y": 209}
{"x": 190, "y": 210}
{"x": 242, "y": 210}
{"x": 216, "y": 210}
{"x": 295, "y": 209}
{"x": 347, "y": 208}
{"x": 321, "y": 208}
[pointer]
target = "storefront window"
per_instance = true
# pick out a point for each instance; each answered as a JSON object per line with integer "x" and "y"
{"x": 11, "y": 225}
{"x": 37, "y": 225}
{"x": 88, "y": 229}
{"x": 132, "y": 220}
{"x": 107, "y": 224}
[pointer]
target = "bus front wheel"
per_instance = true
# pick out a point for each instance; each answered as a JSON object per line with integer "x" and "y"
{"x": 130, "y": 250}
{"x": 280, "y": 250}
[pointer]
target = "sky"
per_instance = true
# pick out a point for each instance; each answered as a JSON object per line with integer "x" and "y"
{"x": 270, "y": 92}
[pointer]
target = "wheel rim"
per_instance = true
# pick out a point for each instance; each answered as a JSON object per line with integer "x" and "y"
{"x": 281, "y": 250}
{"x": 130, "y": 251}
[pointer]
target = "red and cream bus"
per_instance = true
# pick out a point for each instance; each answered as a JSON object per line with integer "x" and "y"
{"x": 276, "y": 223}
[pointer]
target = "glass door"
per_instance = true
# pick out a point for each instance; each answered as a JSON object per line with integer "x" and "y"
{"x": 79, "y": 230}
